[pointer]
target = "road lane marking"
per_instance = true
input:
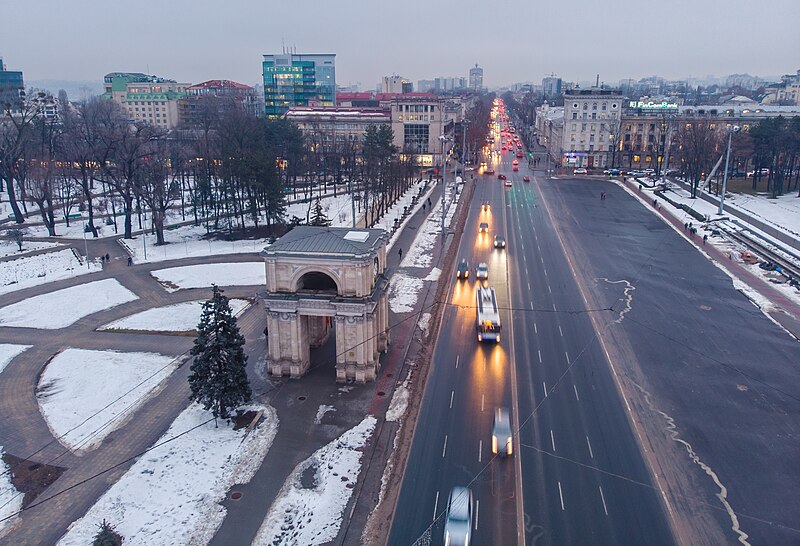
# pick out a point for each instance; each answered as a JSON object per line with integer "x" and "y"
{"x": 477, "y": 510}
{"x": 480, "y": 449}
{"x": 553, "y": 440}
{"x": 444, "y": 448}
{"x": 531, "y": 306}
{"x": 578, "y": 398}
{"x": 545, "y": 271}
{"x": 549, "y": 289}
{"x": 535, "y": 328}
{"x": 540, "y": 355}
{"x": 540, "y": 258}
{"x": 560, "y": 331}
{"x": 588, "y": 443}
{"x": 435, "y": 506}
{"x": 457, "y": 357}
{"x": 560, "y": 494}
{"x": 603, "y": 498}
{"x": 529, "y": 286}
{"x": 565, "y": 354}
{"x": 544, "y": 386}
{"x": 554, "y": 307}
{"x": 451, "y": 398}
{"x": 482, "y": 400}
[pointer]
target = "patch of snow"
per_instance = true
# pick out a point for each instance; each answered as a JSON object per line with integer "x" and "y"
{"x": 39, "y": 269}
{"x": 9, "y": 248}
{"x": 64, "y": 307}
{"x": 84, "y": 395}
{"x": 421, "y": 252}
{"x": 10, "y": 498}
{"x": 323, "y": 409}
{"x": 424, "y": 323}
{"x": 403, "y": 293}
{"x": 180, "y": 317}
{"x": 171, "y": 494}
{"x": 314, "y": 516}
{"x": 399, "y": 403}
{"x": 433, "y": 275}
{"x": 204, "y": 275}
{"x": 8, "y": 352}
{"x": 396, "y": 211}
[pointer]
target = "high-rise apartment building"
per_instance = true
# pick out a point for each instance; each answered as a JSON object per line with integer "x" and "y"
{"x": 396, "y": 84}
{"x": 292, "y": 79}
{"x": 11, "y": 88}
{"x": 476, "y": 78}
{"x": 551, "y": 87}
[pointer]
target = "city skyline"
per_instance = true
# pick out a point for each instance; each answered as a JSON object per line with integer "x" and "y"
{"x": 523, "y": 48}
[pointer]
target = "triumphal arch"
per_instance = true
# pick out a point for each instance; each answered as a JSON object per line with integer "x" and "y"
{"x": 324, "y": 281}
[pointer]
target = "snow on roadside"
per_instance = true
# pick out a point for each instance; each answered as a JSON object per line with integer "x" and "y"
{"x": 9, "y": 352}
{"x": 204, "y": 275}
{"x": 782, "y": 212}
{"x": 321, "y": 411}
{"x": 302, "y": 515}
{"x": 433, "y": 275}
{"x": 64, "y": 307}
{"x": 424, "y": 323}
{"x": 421, "y": 252}
{"x": 179, "y": 317}
{"x": 171, "y": 494}
{"x": 84, "y": 395}
{"x": 186, "y": 242}
{"x": 9, "y": 248}
{"x": 403, "y": 292}
{"x": 28, "y": 271}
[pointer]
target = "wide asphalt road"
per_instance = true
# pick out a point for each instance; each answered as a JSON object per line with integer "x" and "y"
{"x": 560, "y": 487}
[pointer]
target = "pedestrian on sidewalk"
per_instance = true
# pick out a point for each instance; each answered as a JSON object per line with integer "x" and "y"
{"x": 686, "y": 226}
{"x": 130, "y": 261}
{"x": 705, "y": 238}
{"x": 108, "y": 257}
{"x": 400, "y": 253}
{"x": 423, "y": 207}
{"x": 102, "y": 259}
{"x": 429, "y": 201}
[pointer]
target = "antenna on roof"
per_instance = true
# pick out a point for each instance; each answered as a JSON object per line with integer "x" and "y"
{"x": 597, "y": 81}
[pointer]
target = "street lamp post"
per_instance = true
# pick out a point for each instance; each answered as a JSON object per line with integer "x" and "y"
{"x": 443, "y": 139}
{"x": 732, "y": 129}
{"x": 85, "y": 244}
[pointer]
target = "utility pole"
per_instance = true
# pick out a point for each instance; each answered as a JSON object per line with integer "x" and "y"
{"x": 732, "y": 129}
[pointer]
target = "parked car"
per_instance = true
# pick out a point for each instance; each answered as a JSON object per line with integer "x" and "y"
{"x": 462, "y": 271}
{"x": 458, "y": 522}
{"x": 580, "y": 170}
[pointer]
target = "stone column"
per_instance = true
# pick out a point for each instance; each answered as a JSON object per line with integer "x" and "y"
{"x": 288, "y": 350}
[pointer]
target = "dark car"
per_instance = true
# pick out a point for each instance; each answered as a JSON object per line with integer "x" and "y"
{"x": 526, "y": 178}
{"x": 462, "y": 271}
{"x": 501, "y": 177}
{"x": 499, "y": 241}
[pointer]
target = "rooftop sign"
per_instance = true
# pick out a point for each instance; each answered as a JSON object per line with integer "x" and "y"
{"x": 650, "y": 105}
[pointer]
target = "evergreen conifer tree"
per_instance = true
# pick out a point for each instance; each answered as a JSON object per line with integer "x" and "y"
{"x": 318, "y": 216}
{"x": 218, "y": 378}
{"x": 106, "y": 536}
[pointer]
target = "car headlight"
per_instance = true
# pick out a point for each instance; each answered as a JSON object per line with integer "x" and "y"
{"x": 494, "y": 443}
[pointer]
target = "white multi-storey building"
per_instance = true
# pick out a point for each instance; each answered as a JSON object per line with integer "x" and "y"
{"x": 591, "y": 121}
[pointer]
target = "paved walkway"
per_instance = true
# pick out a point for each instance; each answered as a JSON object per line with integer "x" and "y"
{"x": 25, "y": 434}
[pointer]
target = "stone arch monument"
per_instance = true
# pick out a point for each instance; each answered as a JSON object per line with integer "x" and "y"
{"x": 324, "y": 278}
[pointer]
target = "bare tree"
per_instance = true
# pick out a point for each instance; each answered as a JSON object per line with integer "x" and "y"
{"x": 698, "y": 144}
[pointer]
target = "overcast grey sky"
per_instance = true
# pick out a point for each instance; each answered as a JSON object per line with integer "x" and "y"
{"x": 513, "y": 40}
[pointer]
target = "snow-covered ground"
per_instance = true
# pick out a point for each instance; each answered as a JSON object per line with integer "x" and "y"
{"x": 180, "y": 317}
{"x": 186, "y": 242}
{"x": 8, "y": 352}
{"x": 171, "y": 494}
{"x": 321, "y": 411}
{"x": 303, "y": 515}
{"x": 204, "y": 275}
{"x": 387, "y": 221}
{"x": 404, "y": 292}
{"x": 339, "y": 210}
{"x": 63, "y": 307}
{"x": 421, "y": 252}
{"x": 9, "y": 248}
{"x": 782, "y": 212}
{"x": 84, "y": 395}
{"x": 39, "y": 269}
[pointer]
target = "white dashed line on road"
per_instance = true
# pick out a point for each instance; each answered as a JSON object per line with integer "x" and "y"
{"x": 588, "y": 443}
{"x": 444, "y": 448}
{"x": 477, "y": 510}
{"x": 451, "y": 398}
{"x": 540, "y": 355}
{"x": 552, "y": 440}
{"x": 480, "y": 449}
{"x": 554, "y": 306}
{"x": 544, "y": 386}
{"x": 531, "y": 306}
{"x": 482, "y": 400}
{"x": 529, "y": 286}
{"x": 560, "y": 331}
{"x": 578, "y": 398}
{"x": 545, "y": 271}
{"x": 548, "y": 288}
{"x": 435, "y": 506}
{"x": 566, "y": 355}
{"x": 561, "y": 495}
{"x": 457, "y": 357}
{"x": 535, "y": 328}
{"x": 603, "y": 498}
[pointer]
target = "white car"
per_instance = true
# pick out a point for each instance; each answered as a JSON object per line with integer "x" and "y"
{"x": 458, "y": 524}
{"x": 482, "y": 271}
{"x": 502, "y": 437}
{"x": 580, "y": 170}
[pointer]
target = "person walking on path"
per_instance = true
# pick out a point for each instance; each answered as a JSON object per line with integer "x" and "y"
{"x": 130, "y": 261}
{"x": 400, "y": 253}
{"x": 705, "y": 238}
{"x": 423, "y": 207}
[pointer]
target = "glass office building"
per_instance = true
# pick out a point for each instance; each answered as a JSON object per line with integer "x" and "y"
{"x": 10, "y": 87}
{"x": 291, "y": 79}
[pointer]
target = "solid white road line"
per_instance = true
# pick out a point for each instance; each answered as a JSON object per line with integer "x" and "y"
{"x": 565, "y": 354}
{"x": 477, "y": 510}
{"x": 435, "y": 506}
{"x": 552, "y": 440}
{"x": 480, "y": 449}
{"x": 603, "y": 498}
{"x": 560, "y": 331}
{"x": 578, "y": 398}
{"x": 451, "y": 398}
{"x": 444, "y": 448}
{"x": 588, "y": 443}
{"x": 540, "y": 355}
{"x": 561, "y": 495}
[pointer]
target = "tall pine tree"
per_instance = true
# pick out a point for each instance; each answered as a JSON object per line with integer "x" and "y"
{"x": 219, "y": 379}
{"x": 318, "y": 216}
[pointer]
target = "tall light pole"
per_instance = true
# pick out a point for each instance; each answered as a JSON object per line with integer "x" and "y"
{"x": 443, "y": 139}
{"x": 666, "y": 151}
{"x": 732, "y": 129}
